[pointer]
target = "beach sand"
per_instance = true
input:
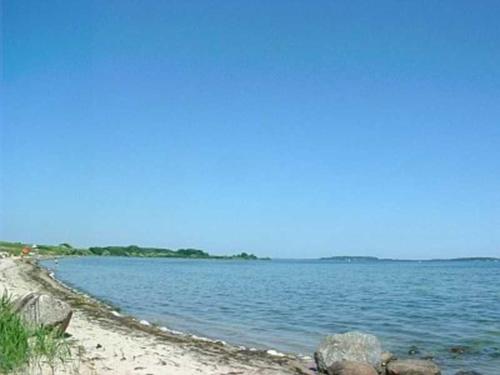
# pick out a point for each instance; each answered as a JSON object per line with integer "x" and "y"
{"x": 104, "y": 343}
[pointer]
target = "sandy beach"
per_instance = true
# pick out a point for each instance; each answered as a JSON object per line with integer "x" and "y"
{"x": 105, "y": 342}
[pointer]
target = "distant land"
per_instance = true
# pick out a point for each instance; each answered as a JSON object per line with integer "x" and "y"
{"x": 350, "y": 259}
{"x": 65, "y": 249}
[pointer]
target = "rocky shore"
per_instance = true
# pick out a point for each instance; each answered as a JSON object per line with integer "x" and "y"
{"x": 356, "y": 353}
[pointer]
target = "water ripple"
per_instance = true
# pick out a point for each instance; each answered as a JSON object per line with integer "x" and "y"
{"x": 291, "y": 305}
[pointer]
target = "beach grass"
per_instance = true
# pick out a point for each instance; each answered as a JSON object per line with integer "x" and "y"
{"x": 24, "y": 347}
{"x": 14, "y": 335}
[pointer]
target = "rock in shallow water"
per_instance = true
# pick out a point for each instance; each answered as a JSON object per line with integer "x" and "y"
{"x": 44, "y": 310}
{"x": 351, "y": 368}
{"x": 350, "y": 346}
{"x": 386, "y": 357}
{"x": 412, "y": 367}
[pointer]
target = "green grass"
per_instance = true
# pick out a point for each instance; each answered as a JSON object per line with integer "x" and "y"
{"x": 12, "y": 248}
{"x": 49, "y": 347}
{"x": 22, "y": 346}
{"x": 14, "y": 345}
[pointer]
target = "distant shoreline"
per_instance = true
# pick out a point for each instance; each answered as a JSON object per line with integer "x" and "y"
{"x": 133, "y": 251}
{"x": 65, "y": 249}
{"x": 348, "y": 258}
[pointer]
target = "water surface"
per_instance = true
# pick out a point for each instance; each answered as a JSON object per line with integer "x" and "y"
{"x": 290, "y": 305}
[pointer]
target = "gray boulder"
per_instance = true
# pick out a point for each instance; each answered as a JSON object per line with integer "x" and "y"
{"x": 350, "y": 346}
{"x": 44, "y": 310}
{"x": 412, "y": 367}
{"x": 351, "y": 368}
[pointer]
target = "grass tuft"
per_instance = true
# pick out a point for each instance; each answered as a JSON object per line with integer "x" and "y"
{"x": 22, "y": 346}
{"x": 14, "y": 345}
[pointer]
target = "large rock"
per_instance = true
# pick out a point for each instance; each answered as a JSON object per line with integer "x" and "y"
{"x": 412, "y": 367}
{"x": 44, "y": 310}
{"x": 351, "y": 368}
{"x": 350, "y": 346}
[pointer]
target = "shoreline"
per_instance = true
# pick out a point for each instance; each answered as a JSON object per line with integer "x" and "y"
{"x": 108, "y": 338}
{"x": 116, "y": 312}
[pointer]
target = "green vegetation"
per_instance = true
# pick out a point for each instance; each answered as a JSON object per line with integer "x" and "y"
{"x": 15, "y": 248}
{"x": 126, "y": 251}
{"x": 22, "y": 346}
{"x": 136, "y": 251}
{"x": 14, "y": 348}
{"x": 11, "y": 248}
{"x": 49, "y": 347}
{"x": 246, "y": 256}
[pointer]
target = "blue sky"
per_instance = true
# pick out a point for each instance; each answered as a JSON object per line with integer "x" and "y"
{"x": 285, "y": 128}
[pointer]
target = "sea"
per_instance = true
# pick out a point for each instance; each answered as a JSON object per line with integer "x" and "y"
{"x": 445, "y": 310}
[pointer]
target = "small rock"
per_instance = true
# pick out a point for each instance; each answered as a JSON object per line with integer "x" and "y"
{"x": 351, "y": 368}
{"x": 98, "y": 346}
{"x": 351, "y": 346}
{"x": 386, "y": 357}
{"x": 412, "y": 367}
{"x": 457, "y": 350}
{"x": 44, "y": 310}
{"x": 413, "y": 350}
{"x": 275, "y": 353}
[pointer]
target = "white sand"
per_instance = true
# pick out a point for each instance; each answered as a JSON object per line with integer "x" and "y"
{"x": 104, "y": 343}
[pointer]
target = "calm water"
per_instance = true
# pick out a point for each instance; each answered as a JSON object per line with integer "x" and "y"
{"x": 291, "y": 305}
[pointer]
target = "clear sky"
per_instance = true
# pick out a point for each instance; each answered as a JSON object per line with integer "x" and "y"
{"x": 283, "y": 128}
